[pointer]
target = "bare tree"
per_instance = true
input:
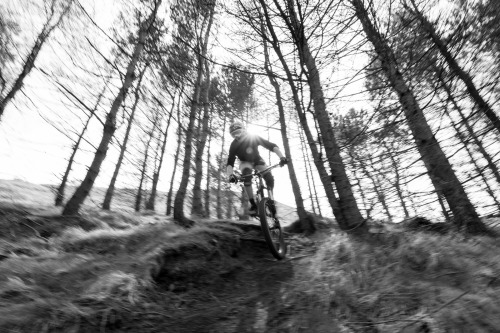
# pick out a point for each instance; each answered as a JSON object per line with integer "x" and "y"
{"x": 202, "y": 46}
{"x": 150, "y": 204}
{"x": 61, "y": 189}
{"x": 180, "y": 131}
{"x": 483, "y": 106}
{"x": 305, "y": 223}
{"x": 438, "y": 167}
{"x": 54, "y": 19}
{"x": 106, "y": 204}
{"x": 73, "y": 205}
{"x": 197, "y": 204}
{"x": 144, "y": 165}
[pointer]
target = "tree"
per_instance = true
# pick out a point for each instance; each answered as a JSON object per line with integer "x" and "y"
{"x": 436, "y": 162}
{"x": 150, "y": 204}
{"x": 305, "y": 223}
{"x": 57, "y": 10}
{"x": 73, "y": 205}
{"x": 61, "y": 189}
{"x": 206, "y": 11}
{"x": 474, "y": 93}
{"x": 203, "y": 129}
{"x": 106, "y": 204}
{"x": 8, "y": 30}
{"x": 345, "y": 207}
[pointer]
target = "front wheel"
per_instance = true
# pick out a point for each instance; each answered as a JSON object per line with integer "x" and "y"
{"x": 271, "y": 228}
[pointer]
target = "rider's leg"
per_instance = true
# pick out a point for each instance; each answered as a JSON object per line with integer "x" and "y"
{"x": 268, "y": 177}
{"x": 246, "y": 171}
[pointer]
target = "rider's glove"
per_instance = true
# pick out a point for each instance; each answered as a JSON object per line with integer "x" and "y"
{"x": 233, "y": 179}
{"x": 283, "y": 161}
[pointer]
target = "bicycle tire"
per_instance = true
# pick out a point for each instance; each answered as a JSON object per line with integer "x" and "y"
{"x": 271, "y": 228}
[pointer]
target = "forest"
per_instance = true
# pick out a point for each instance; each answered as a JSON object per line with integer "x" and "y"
{"x": 116, "y": 213}
{"x": 385, "y": 109}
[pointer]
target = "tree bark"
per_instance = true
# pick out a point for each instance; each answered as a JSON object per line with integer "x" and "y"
{"x": 150, "y": 204}
{"x": 397, "y": 183}
{"x": 309, "y": 176}
{"x": 324, "y": 175}
{"x": 221, "y": 169}
{"x": 197, "y": 204}
{"x": 347, "y": 203}
{"x": 489, "y": 160}
{"x": 144, "y": 165}
{"x": 108, "y": 197}
{"x": 179, "y": 216}
{"x": 176, "y": 158}
{"x": 305, "y": 223}
{"x": 207, "y": 189}
{"x": 61, "y": 189}
{"x": 73, "y": 205}
{"x": 438, "y": 167}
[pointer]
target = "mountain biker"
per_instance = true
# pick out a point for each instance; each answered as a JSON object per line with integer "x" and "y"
{"x": 245, "y": 147}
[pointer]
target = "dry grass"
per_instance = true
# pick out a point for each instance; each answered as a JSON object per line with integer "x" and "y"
{"x": 405, "y": 282}
{"x": 88, "y": 273}
{"x": 79, "y": 278}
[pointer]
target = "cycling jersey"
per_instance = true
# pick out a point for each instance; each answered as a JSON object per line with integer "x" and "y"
{"x": 246, "y": 149}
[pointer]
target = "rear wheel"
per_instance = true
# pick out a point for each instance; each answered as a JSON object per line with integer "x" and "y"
{"x": 271, "y": 228}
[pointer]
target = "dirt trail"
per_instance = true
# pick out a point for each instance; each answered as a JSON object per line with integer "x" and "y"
{"x": 253, "y": 297}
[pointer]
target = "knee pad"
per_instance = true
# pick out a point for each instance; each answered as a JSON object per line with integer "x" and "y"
{"x": 268, "y": 177}
{"x": 247, "y": 176}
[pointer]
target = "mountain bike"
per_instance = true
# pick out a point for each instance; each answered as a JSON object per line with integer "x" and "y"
{"x": 266, "y": 214}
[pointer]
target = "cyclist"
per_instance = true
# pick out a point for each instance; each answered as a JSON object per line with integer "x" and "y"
{"x": 245, "y": 147}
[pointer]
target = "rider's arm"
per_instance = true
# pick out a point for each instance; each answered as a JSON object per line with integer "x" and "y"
{"x": 267, "y": 144}
{"x": 229, "y": 170}
{"x": 278, "y": 152}
{"x": 230, "y": 160}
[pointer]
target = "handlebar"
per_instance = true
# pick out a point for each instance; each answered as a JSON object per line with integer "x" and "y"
{"x": 255, "y": 172}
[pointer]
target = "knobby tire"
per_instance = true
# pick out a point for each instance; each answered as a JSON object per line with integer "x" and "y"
{"x": 272, "y": 231}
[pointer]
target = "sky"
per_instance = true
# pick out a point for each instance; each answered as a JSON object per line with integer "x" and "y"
{"x": 32, "y": 145}
{"x": 34, "y": 142}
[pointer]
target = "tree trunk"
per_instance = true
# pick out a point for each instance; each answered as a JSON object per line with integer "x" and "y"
{"x": 73, "y": 205}
{"x": 179, "y": 216}
{"x": 480, "y": 171}
{"x": 150, "y": 204}
{"x": 197, "y": 205}
{"x": 377, "y": 186}
{"x": 28, "y": 65}
{"x": 324, "y": 175}
{"x": 309, "y": 173}
{"x": 490, "y": 163}
{"x": 144, "y": 166}
{"x": 436, "y": 162}
{"x": 374, "y": 180}
{"x": 106, "y": 204}
{"x": 176, "y": 158}
{"x": 397, "y": 183}
{"x": 60, "y": 190}
{"x": 221, "y": 169}
{"x": 483, "y": 106}
{"x": 310, "y": 186}
{"x": 305, "y": 223}
{"x": 347, "y": 203}
{"x": 207, "y": 189}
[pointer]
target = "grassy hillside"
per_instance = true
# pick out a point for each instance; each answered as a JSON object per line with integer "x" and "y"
{"x": 121, "y": 271}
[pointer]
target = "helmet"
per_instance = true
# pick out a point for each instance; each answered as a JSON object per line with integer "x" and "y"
{"x": 236, "y": 125}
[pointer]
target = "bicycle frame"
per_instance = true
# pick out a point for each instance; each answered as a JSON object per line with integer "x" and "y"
{"x": 257, "y": 177}
{"x": 270, "y": 224}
